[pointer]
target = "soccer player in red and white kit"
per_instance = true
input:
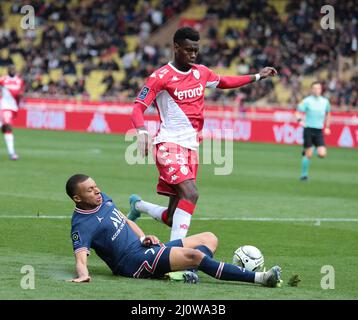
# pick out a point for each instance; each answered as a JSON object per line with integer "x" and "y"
{"x": 177, "y": 90}
{"x": 11, "y": 91}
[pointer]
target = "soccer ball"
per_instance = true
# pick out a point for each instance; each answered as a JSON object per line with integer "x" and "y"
{"x": 249, "y": 257}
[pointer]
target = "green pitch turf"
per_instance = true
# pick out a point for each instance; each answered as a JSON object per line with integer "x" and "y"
{"x": 264, "y": 184}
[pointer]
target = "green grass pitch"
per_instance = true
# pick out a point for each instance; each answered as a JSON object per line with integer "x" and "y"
{"x": 264, "y": 184}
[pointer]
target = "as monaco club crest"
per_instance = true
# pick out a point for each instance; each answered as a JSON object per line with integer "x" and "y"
{"x": 196, "y": 74}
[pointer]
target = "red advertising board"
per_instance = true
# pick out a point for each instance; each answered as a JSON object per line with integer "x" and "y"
{"x": 271, "y": 126}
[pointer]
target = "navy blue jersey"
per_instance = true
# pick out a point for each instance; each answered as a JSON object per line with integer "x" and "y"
{"x": 105, "y": 230}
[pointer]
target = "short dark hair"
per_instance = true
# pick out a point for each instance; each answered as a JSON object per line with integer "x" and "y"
{"x": 73, "y": 181}
{"x": 315, "y": 82}
{"x": 186, "y": 33}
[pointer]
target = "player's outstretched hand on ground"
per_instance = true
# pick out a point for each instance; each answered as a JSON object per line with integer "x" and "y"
{"x": 150, "y": 240}
{"x": 267, "y": 72}
{"x": 81, "y": 279}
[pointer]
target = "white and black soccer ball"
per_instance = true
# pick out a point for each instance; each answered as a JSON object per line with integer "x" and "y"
{"x": 249, "y": 257}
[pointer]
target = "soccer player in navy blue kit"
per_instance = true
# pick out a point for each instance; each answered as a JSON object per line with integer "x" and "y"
{"x": 123, "y": 246}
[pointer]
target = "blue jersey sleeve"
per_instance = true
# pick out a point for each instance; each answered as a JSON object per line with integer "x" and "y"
{"x": 81, "y": 239}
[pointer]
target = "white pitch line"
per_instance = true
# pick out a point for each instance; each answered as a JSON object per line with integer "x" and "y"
{"x": 268, "y": 219}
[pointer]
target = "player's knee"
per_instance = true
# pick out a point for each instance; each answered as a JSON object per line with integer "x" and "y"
{"x": 212, "y": 240}
{"x": 193, "y": 257}
{"x": 308, "y": 154}
{"x": 191, "y": 196}
{"x": 6, "y": 128}
{"x": 322, "y": 154}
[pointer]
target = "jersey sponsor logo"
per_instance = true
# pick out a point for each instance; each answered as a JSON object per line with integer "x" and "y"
{"x": 190, "y": 93}
{"x": 196, "y": 74}
{"x": 76, "y": 238}
{"x": 144, "y": 92}
{"x": 118, "y": 221}
{"x": 13, "y": 86}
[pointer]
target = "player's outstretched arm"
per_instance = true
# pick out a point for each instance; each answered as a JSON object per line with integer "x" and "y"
{"x": 231, "y": 82}
{"x": 267, "y": 72}
{"x": 81, "y": 267}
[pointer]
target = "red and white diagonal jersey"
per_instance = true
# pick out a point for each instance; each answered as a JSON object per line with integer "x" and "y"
{"x": 14, "y": 84}
{"x": 7, "y": 101}
{"x": 179, "y": 97}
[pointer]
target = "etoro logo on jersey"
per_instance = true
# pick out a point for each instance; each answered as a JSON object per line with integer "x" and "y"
{"x": 190, "y": 93}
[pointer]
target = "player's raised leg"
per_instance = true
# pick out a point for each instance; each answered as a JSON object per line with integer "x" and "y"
{"x": 157, "y": 212}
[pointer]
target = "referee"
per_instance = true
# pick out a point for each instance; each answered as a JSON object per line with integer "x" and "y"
{"x": 317, "y": 116}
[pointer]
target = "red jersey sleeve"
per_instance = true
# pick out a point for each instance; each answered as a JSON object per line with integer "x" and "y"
{"x": 212, "y": 79}
{"x": 150, "y": 90}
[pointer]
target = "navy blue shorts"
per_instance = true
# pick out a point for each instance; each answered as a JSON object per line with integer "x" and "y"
{"x": 312, "y": 137}
{"x": 148, "y": 262}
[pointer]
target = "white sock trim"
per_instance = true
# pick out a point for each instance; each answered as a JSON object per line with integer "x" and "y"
{"x": 259, "y": 277}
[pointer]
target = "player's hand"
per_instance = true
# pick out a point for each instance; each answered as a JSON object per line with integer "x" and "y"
{"x": 327, "y": 131}
{"x": 80, "y": 279}
{"x": 143, "y": 140}
{"x": 267, "y": 72}
{"x": 302, "y": 123}
{"x": 150, "y": 240}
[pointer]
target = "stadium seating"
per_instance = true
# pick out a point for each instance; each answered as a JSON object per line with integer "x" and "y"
{"x": 248, "y": 36}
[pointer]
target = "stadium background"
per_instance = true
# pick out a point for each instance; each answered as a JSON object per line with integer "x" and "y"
{"x": 84, "y": 63}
